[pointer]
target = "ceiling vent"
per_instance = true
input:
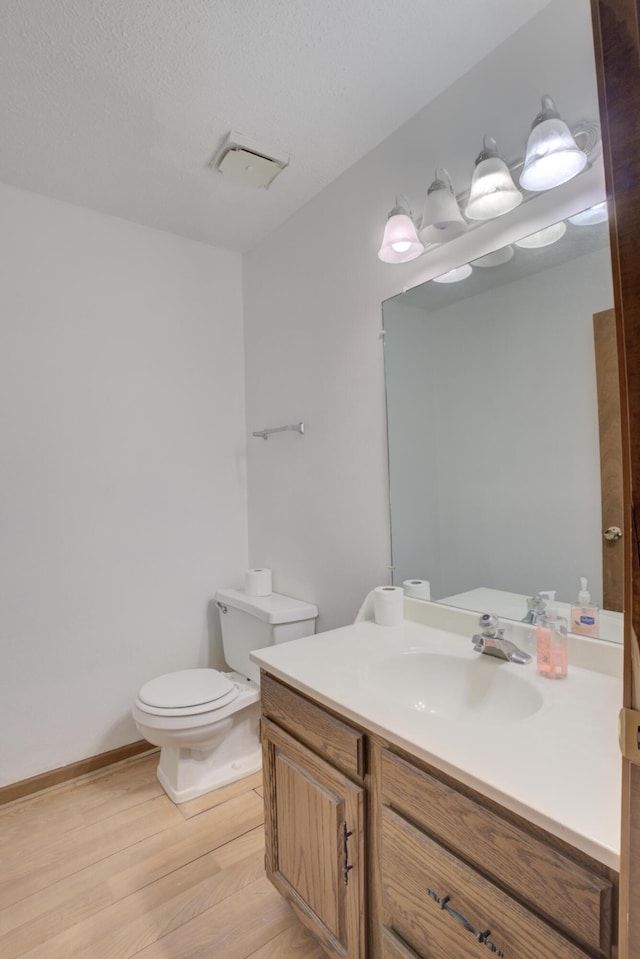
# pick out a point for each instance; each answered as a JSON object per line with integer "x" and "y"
{"x": 243, "y": 161}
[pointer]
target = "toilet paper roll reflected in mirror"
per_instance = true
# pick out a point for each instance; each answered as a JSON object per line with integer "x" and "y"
{"x": 388, "y": 605}
{"x": 257, "y": 582}
{"x": 417, "y": 588}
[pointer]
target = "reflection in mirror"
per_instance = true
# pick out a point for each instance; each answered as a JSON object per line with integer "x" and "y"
{"x": 493, "y": 428}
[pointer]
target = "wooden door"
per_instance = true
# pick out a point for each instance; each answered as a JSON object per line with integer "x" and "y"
{"x": 314, "y": 837}
{"x": 610, "y": 431}
{"x": 616, "y": 28}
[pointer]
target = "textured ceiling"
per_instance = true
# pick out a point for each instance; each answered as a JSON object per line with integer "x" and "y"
{"x": 119, "y": 105}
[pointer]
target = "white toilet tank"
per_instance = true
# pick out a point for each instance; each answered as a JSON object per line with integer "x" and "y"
{"x": 253, "y": 622}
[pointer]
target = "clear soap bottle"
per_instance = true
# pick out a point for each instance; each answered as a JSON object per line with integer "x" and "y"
{"x": 551, "y": 644}
{"x": 585, "y": 615}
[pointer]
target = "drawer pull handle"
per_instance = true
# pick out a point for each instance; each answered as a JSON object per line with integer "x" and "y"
{"x": 347, "y": 866}
{"x": 482, "y": 937}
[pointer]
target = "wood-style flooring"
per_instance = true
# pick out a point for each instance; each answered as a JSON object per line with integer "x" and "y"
{"x": 107, "y": 867}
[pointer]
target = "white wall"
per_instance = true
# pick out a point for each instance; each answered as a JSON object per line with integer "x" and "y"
{"x": 123, "y": 503}
{"x": 318, "y": 504}
{"x": 509, "y": 435}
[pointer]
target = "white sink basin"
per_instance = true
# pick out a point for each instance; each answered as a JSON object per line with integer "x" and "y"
{"x": 481, "y": 689}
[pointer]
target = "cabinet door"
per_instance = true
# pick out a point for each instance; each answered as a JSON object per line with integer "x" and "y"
{"x": 314, "y": 837}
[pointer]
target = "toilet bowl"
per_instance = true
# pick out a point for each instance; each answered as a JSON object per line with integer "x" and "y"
{"x": 208, "y": 742}
{"x": 206, "y": 722}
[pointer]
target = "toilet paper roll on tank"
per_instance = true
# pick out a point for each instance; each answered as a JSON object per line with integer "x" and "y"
{"x": 417, "y": 588}
{"x": 257, "y": 582}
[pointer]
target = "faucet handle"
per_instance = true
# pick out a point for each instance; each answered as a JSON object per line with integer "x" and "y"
{"x": 488, "y": 623}
{"x": 537, "y": 603}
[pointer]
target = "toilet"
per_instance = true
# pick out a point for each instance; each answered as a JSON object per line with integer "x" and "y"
{"x": 206, "y": 722}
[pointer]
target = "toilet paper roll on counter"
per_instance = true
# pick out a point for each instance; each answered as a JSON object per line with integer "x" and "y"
{"x": 388, "y": 605}
{"x": 417, "y": 588}
{"x": 257, "y": 582}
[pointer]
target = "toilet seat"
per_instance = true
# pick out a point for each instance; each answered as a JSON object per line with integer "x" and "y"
{"x": 187, "y": 692}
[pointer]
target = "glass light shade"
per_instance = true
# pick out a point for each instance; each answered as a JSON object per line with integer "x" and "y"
{"x": 551, "y": 234}
{"x": 552, "y": 156}
{"x": 497, "y": 258}
{"x": 454, "y": 276}
{"x": 493, "y": 191}
{"x": 595, "y": 214}
{"x": 400, "y": 242}
{"x": 441, "y": 219}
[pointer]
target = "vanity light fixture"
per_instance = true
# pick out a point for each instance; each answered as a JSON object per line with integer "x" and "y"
{"x": 595, "y": 214}
{"x": 454, "y": 276}
{"x": 400, "y": 242}
{"x": 552, "y": 155}
{"x": 493, "y": 191}
{"x": 551, "y": 234}
{"x": 496, "y": 258}
{"x": 441, "y": 219}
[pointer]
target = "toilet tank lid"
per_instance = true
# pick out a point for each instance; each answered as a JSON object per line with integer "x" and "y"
{"x": 274, "y": 609}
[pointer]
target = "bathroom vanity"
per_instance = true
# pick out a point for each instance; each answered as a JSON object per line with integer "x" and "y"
{"x": 486, "y": 826}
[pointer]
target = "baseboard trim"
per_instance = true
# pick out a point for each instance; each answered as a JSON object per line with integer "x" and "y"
{"x": 26, "y": 787}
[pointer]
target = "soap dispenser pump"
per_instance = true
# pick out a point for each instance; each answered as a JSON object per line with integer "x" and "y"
{"x": 585, "y": 618}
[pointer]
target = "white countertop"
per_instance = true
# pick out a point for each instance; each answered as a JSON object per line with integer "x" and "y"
{"x": 559, "y": 767}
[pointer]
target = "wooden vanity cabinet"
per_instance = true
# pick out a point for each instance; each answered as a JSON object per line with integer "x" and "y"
{"x": 315, "y": 819}
{"x": 449, "y": 874}
{"x": 462, "y": 877}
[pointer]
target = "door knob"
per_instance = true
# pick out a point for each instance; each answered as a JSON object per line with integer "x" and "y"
{"x": 612, "y": 533}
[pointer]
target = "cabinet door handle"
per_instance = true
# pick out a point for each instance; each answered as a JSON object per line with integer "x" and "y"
{"x": 346, "y": 865}
{"x": 482, "y": 937}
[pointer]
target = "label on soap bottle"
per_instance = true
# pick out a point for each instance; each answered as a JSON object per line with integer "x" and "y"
{"x": 584, "y": 620}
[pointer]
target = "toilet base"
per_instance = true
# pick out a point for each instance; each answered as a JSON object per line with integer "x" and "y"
{"x": 190, "y": 780}
{"x": 231, "y": 750}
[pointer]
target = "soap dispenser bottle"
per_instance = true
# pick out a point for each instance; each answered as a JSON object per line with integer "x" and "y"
{"x": 551, "y": 644}
{"x": 585, "y": 615}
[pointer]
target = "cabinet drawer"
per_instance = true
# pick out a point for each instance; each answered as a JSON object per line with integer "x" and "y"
{"x": 439, "y": 905}
{"x": 327, "y": 736}
{"x": 576, "y": 900}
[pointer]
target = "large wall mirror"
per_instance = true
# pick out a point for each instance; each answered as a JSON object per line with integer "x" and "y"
{"x": 498, "y": 386}
{"x": 494, "y": 429}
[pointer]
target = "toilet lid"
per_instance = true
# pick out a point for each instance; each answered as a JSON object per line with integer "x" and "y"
{"x": 187, "y": 687}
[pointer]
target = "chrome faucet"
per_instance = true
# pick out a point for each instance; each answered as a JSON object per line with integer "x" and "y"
{"x": 536, "y": 606}
{"x": 491, "y": 641}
